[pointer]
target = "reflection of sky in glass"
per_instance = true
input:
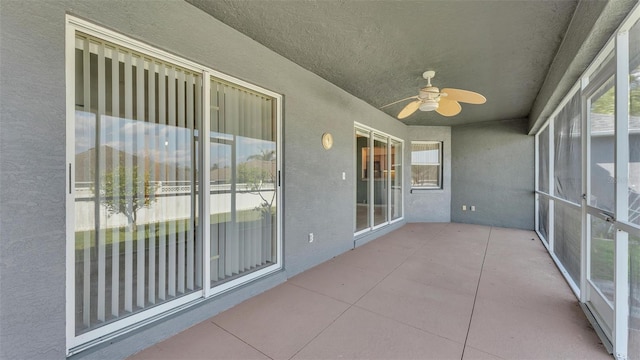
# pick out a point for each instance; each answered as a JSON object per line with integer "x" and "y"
{"x": 159, "y": 142}
{"x": 220, "y": 149}
{"x": 248, "y": 147}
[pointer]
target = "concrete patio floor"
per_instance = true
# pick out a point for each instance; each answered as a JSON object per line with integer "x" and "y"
{"x": 425, "y": 291}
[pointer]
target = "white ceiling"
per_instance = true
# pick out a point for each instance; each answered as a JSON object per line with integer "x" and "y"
{"x": 378, "y": 50}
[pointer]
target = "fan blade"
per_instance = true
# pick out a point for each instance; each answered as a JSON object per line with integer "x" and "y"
{"x": 395, "y": 102}
{"x": 464, "y": 96}
{"x": 409, "y": 109}
{"x": 448, "y": 107}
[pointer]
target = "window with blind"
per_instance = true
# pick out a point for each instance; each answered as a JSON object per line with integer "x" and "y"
{"x": 426, "y": 165}
{"x": 142, "y": 174}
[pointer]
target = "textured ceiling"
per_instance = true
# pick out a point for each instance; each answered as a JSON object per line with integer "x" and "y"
{"x": 378, "y": 50}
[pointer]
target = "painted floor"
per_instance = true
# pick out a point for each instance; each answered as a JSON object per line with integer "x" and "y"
{"x": 425, "y": 291}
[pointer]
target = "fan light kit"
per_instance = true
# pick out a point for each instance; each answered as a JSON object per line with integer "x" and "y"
{"x": 445, "y": 102}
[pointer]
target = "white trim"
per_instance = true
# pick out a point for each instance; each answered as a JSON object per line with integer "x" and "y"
{"x": 369, "y": 128}
{"x": 543, "y": 240}
{"x": 122, "y": 40}
{"x": 600, "y": 58}
{"x": 205, "y": 142}
{"x": 129, "y": 323}
{"x": 230, "y": 285}
{"x": 440, "y": 144}
{"x": 551, "y": 181}
{"x": 70, "y": 180}
{"x": 621, "y": 263}
{"x": 280, "y": 180}
{"x": 536, "y": 181}
{"x": 565, "y": 274}
{"x": 584, "y": 228}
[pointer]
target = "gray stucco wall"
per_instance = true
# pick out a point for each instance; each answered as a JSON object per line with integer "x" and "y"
{"x": 493, "y": 170}
{"x": 429, "y": 205}
{"x": 32, "y": 182}
{"x": 32, "y": 160}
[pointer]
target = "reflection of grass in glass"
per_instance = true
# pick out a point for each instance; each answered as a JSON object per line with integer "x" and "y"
{"x": 242, "y": 216}
{"x": 602, "y": 260}
{"x": 567, "y": 243}
{"x": 122, "y": 231}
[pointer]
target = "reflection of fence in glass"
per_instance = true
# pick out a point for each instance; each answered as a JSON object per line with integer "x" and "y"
{"x": 173, "y": 195}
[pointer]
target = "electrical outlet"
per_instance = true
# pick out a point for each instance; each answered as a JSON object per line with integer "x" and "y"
{"x": 310, "y": 237}
{"x": 473, "y": 208}
{"x": 464, "y": 207}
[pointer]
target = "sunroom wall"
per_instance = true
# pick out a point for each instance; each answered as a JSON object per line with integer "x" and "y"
{"x": 33, "y": 168}
{"x": 493, "y": 170}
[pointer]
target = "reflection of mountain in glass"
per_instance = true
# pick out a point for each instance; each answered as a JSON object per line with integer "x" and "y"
{"x": 157, "y": 170}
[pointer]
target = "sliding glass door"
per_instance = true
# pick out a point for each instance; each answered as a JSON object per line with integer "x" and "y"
{"x": 135, "y": 182}
{"x": 380, "y": 181}
{"x": 395, "y": 171}
{"x": 174, "y": 183}
{"x": 378, "y": 195}
{"x": 363, "y": 179}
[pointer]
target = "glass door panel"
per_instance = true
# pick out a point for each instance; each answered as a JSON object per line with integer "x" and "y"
{"x": 602, "y": 257}
{"x": 243, "y": 175}
{"x": 601, "y": 201}
{"x": 602, "y": 152}
{"x": 634, "y": 296}
{"x": 136, "y": 123}
{"x": 363, "y": 177}
{"x": 381, "y": 181}
{"x": 566, "y": 241}
{"x": 634, "y": 125}
{"x": 396, "y": 179}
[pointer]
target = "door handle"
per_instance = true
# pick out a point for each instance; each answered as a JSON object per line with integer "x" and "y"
{"x": 608, "y": 217}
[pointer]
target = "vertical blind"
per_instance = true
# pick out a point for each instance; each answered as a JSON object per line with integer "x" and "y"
{"x": 425, "y": 164}
{"x": 135, "y": 182}
{"x": 243, "y": 181}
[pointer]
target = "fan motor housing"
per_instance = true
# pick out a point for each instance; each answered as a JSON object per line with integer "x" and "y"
{"x": 429, "y": 92}
{"x": 428, "y": 105}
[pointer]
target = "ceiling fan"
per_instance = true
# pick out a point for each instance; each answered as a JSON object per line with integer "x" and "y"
{"x": 445, "y": 102}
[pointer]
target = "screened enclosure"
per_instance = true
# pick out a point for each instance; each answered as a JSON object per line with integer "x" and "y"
{"x": 588, "y": 189}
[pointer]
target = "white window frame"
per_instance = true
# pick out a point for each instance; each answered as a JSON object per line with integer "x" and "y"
{"x": 440, "y": 144}
{"x": 75, "y": 344}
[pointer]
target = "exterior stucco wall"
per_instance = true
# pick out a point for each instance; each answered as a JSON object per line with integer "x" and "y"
{"x": 33, "y": 168}
{"x": 493, "y": 170}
